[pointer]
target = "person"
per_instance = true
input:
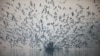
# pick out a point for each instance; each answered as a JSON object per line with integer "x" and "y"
{"x": 49, "y": 49}
{"x": 50, "y": 46}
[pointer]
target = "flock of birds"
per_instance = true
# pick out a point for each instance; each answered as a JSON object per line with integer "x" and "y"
{"x": 39, "y": 23}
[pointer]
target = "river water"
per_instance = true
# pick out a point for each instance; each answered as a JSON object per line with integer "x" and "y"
{"x": 55, "y": 52}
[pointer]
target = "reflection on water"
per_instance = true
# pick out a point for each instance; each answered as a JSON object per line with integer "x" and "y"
{"x": 55, "y": 52}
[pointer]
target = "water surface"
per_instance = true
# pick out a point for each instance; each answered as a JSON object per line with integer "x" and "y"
{"x": 55, "y": 52}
